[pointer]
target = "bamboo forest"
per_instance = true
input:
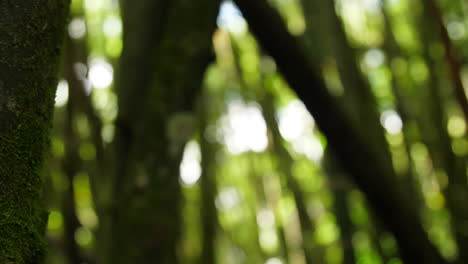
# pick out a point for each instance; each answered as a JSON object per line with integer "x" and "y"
{"x": 233, "y": 132}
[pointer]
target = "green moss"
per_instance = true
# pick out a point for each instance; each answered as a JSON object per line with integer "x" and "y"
{"x": 31, "y": 33}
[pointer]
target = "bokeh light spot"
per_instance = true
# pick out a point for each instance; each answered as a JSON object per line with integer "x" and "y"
{"x": 100, "y": 73}
{"x": 61, "y": 95}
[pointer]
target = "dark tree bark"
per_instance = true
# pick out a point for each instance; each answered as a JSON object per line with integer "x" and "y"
{"x": 341, "y": 187}
{"x": 209, "y": 214}
{"x": 30, "y": 42}
{"x": 374, "y": 177}
{"x": 325, "y": 29}
{"x": 451, "y": 58}
{"x": 71, "y": 166}
{"x": 433, "y": 123}
{"x": 167, "y": 46}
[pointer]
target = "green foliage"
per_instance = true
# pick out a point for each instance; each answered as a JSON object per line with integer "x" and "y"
{"x": 285, "y": 201}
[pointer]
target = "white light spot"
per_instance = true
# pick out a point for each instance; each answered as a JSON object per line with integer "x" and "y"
{"x": 294, "y": 120}
{"x": 94, "y": 5}
{"x": 190, "y": 172}
{"x": 190, "y": 169}
{"x": 372, "y": 6}
{"x": 227, "y": 199}
{"x": 391, "y": 121}
{"x": 273, "y": 261}
{"x": 61, "y": 96}
{"x": 265, "y": 218}
{"x": 112, "y": 26}
{"x": 309, "y": 146}
{"x": 456, "y": 30}
{"x": 77, "y": 28}
{"x": 100, "y": 73}
{"x": 296, "y": 125}
{"x": 374, "y": 58}
{"x": 244, "y": 128}
{"x": 231, "y": 19}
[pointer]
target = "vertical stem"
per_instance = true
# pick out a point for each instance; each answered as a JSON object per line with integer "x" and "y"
{"x": 209, "y": 215}
{"x": 451, "y": 58}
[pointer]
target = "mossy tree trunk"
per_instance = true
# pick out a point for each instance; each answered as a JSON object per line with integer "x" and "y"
{"x": 167, "y": 47}
{"x": 31, "y": 33}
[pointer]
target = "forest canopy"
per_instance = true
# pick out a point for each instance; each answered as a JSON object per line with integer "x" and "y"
{"x": 245, "y": 131}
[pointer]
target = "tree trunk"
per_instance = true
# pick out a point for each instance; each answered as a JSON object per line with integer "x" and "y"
{"x": 433, "y": 123}
{"x": 374, "y": 176}
{"x": 208, "y": 186}
{"x": 30, "y": 43}
{"x": 454, "y": 65}
{"x": 167, "y": 46}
